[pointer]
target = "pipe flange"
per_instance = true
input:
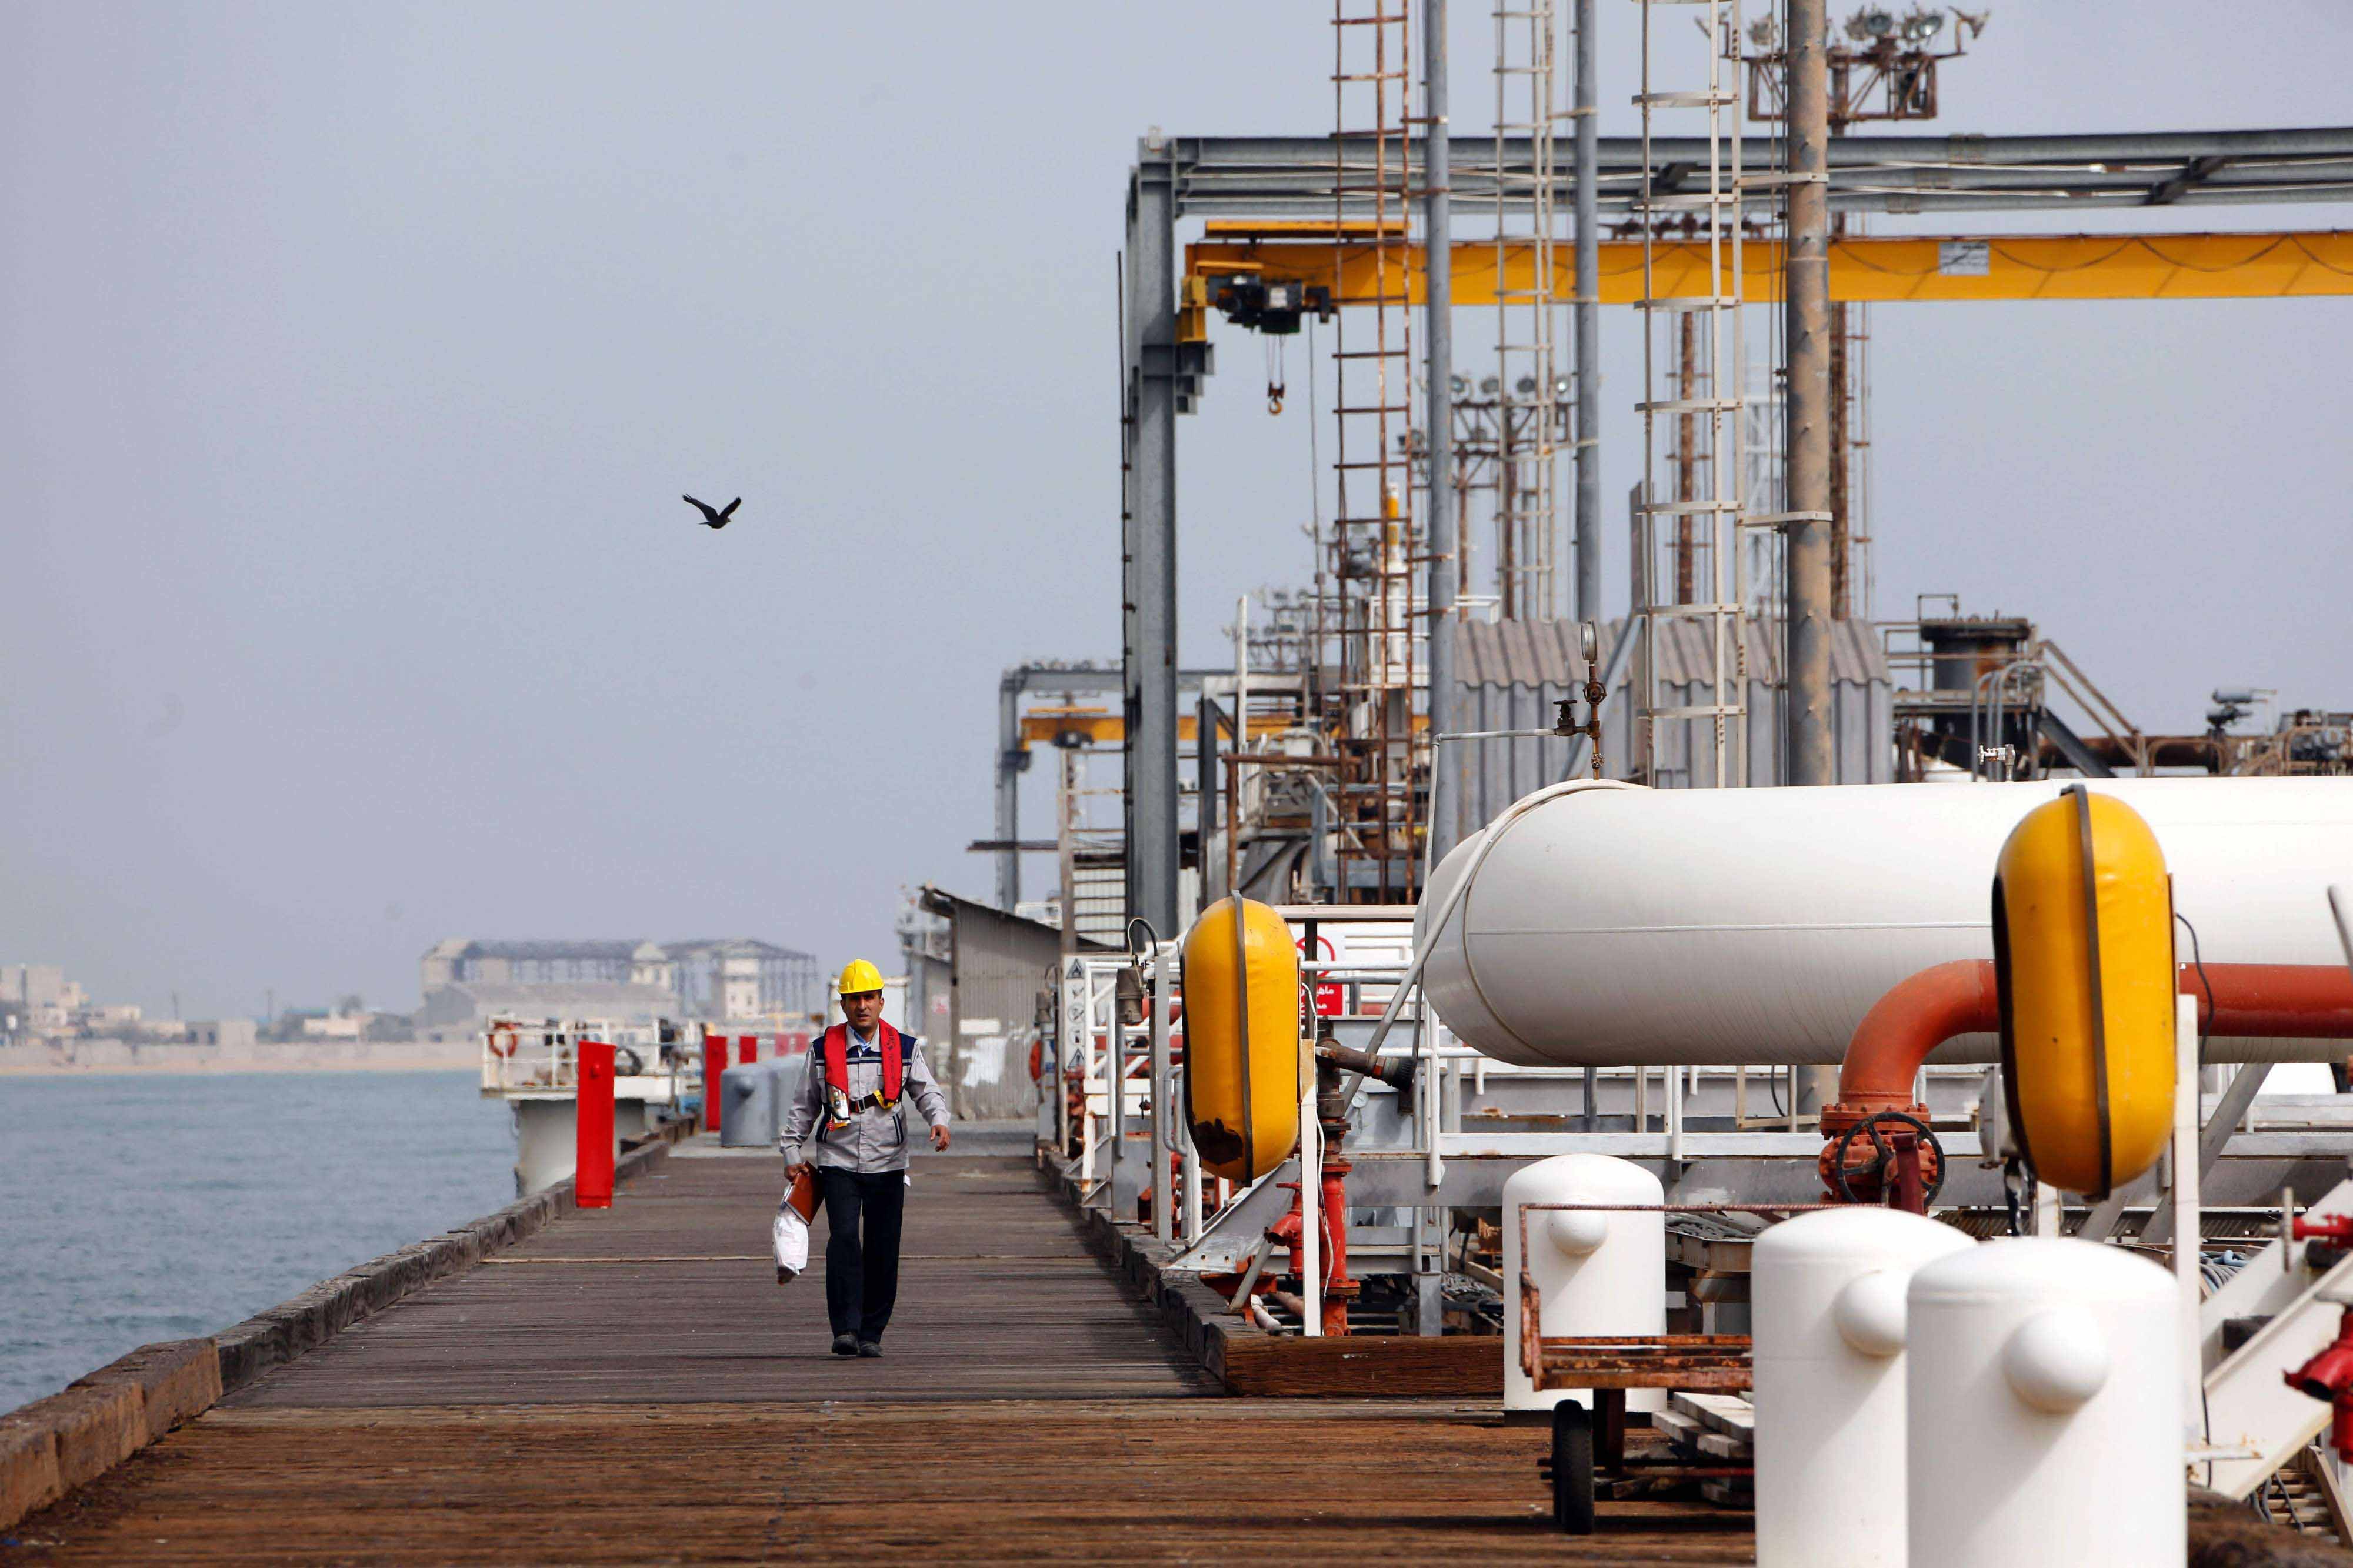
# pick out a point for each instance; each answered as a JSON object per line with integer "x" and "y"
{"x": 1858, "y": 1162}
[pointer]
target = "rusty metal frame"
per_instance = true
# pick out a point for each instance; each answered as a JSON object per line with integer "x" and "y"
{"x": 1697, "y": 1363}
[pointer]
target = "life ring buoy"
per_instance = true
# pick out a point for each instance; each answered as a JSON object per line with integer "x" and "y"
{"x": 502, "y": 1042}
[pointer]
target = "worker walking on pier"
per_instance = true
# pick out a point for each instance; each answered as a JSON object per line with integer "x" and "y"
{"x": 852, "y": 1096}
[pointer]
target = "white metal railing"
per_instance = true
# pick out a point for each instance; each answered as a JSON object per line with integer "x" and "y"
{"x": 541, "y": 1056}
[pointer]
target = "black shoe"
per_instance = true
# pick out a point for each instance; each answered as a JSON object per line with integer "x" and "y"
{"x": 845, "y": 1344}
{"x": 870, "y": 1350}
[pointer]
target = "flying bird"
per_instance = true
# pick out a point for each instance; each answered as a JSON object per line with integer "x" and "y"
{"x": 714, "y": 519}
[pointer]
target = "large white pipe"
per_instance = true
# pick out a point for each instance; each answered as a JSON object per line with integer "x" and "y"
{"x": 1610, "y": 924}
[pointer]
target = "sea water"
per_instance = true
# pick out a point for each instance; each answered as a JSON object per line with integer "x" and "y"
{"x": 140, "y": 1206}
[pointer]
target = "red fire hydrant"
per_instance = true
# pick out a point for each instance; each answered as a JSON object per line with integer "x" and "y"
{"x": 1291, "y": 1232}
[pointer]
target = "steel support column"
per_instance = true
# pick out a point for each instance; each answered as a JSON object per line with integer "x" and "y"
{"x": 1150, "y": 654}
{"x": 1809, "y": 740}
{"x": 1588, "y": 313}
{"x": 1445, "y": 768}
{"x": 1010, "y": 760}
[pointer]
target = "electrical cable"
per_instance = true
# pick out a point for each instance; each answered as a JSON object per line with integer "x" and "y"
{"x": 2198, "y": 962}
{"x": 1152, "y": 936}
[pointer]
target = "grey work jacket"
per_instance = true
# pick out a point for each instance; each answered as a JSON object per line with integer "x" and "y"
{"x": 876, "y": 1139}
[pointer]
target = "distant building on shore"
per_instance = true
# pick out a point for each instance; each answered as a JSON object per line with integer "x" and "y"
{"x": 467, "y": 981}
{"x": 37, "y": 999}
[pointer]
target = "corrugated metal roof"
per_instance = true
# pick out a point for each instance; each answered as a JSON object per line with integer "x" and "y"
{"x": 1544, "y": 653}
{"x": 1513, "y": 673}
{"x": 1520, "y": 653}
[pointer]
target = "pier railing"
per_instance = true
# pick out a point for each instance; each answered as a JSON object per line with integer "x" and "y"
{"x": 532, "y": 1057}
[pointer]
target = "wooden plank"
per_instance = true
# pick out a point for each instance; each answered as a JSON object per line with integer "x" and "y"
{"x": 1725, "y": 1412}
{"x": 1364, "y": 1366}
{"x": 1717, "y": 1445}
{"x": 1680, "y": 1428}
{"x": 999, "y": 1299}
{"x": 1027, "y": 1481}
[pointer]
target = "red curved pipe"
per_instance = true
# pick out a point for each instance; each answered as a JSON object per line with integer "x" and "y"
{"x": 2277, "y": 1000}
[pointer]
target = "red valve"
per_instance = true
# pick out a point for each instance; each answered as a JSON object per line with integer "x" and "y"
{"x": 2335, "y": 1228}
{"x": 2328, "y": 1376}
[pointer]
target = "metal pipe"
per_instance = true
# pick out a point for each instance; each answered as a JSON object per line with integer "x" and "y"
{"x": 1809, "y": 742}
{"x": 1311, "y": 1215}
{"x": 2242, "y": 1001}
{"x": 1190, "y": 1177}
{"x": 1063, "y": 1033}
{"x": 2187, "y": 1178}
{"x": 1241, "y": 749}
{"x": 1163, "y": 1225}
{"x": 1588, "y": 311}
{"x": 1672, "y": 1082}
{"x": 1443, "y": 825}
{"x": 1257, "y": 1265}
{"x": 1581, "y": 750}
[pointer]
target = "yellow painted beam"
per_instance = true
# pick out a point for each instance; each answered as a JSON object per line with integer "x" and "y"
{"x": 1866, "y": 269}
{"x": 1040, "y": 726}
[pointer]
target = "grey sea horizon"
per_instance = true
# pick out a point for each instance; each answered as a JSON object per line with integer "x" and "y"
{"x": 150, "y": 1205}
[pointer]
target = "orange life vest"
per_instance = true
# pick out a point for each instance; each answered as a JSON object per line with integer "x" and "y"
{"x": 894, "y": 1048}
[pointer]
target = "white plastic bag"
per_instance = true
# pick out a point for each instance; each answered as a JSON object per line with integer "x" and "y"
{"x": 792, "y": 1242}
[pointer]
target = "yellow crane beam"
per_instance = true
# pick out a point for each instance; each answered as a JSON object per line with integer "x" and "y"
{"x": 1095, "y": 727}
{"x": 1868, "y": 268}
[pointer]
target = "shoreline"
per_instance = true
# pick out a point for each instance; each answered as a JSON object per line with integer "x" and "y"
{"x": 202, "y": 1062}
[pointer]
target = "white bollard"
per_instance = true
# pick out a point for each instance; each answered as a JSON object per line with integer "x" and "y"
{"x": 1597, "y": 1271}
{"x": 2044, "y": 1421}
{"x": 1828, "y": 1299}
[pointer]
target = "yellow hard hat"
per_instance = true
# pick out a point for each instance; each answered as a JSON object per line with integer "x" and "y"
{"x": 860, "y": 976}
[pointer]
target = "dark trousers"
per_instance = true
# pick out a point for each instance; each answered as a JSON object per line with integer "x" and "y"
{"x": 861, "y": 1281}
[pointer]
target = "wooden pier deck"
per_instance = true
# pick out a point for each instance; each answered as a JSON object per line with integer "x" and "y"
{"x": 631, "y": 1385}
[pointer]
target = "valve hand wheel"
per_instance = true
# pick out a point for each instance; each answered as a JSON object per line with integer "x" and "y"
{"x": 1931, "y": 1155}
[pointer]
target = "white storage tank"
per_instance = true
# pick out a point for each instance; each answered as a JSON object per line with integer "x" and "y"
{"x": 1827, "y": 1293}
{"x": 1597, "y": 1271}
{"x": 2044, "y": 1421}
{"x": 1612, "y": 925}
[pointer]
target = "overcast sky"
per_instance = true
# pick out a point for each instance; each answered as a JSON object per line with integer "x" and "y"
{"x": 355, "y": 356}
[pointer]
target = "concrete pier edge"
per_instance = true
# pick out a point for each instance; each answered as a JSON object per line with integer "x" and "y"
{"x": 53, "y": 1445}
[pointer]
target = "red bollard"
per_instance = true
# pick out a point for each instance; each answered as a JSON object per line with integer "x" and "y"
{"x": 714, "y": 1062}
{"x": 747, "y": 1049}
{"x": 591, "y": 1179}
